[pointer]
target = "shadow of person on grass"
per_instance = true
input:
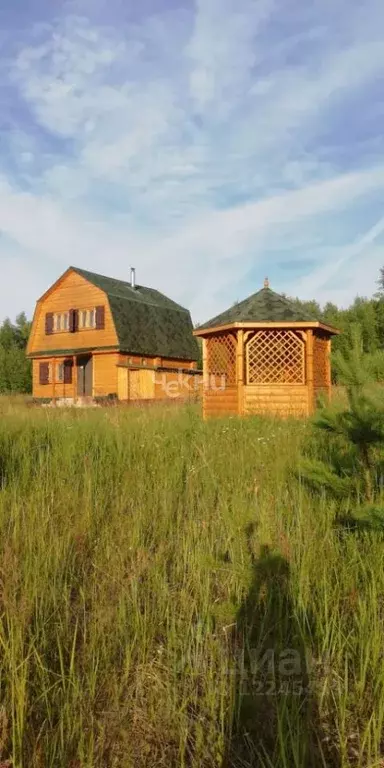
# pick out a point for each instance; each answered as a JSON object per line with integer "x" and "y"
{"x": 275, "y": 721}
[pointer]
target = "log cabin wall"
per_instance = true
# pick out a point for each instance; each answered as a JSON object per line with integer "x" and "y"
{"x": 277, "y": 399}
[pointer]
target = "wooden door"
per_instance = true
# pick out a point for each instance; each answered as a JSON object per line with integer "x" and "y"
{"x": 141, "y": 384}
{"x": 85, "y": 376}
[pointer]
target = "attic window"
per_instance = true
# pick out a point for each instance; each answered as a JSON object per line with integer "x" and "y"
{"x": 87, "y": 318}
{"x": 82, "y": 319}
{"x": 60, "y": 321}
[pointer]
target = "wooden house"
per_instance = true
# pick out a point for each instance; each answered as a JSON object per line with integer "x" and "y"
{"x": 93, "y": 336}
{"x": 265, "y": 354}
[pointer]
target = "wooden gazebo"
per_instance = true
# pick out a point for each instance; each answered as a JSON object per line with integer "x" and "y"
{"x": 265, "y": 354}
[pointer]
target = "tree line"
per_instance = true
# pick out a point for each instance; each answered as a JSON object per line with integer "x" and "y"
{"x": 364, "y": 319}
{"x": 364, "y": 315}
{"x": 15, "y": 368}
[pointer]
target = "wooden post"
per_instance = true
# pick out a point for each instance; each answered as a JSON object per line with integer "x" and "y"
{"x": 53, "y": 379}
{"x": 309, "y": 369}
{"x": 205, "y": 375}
{"x": 74, "y": 378}
{"x": 329, "y": 373}
{"x": 240, "y": 371}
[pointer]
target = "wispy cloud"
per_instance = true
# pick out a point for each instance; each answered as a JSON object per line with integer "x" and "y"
{"x": 208, "y": 143}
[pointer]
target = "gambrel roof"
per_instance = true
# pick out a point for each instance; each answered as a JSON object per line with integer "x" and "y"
{"x": 146, "y": 321}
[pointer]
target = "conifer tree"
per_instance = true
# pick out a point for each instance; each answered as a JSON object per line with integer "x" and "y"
{"x": 349, "y": 463}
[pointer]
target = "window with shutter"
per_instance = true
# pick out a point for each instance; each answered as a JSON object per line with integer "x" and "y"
{"x": 73, "y": 320}
{"x": 100, "y": 318}
{"x": 49, "y": 322}
{"x": 83, "y": 318}
{"x": 60, "y": 372}
{"x": 68, "y": 372}
{"x": 44, "y": 373}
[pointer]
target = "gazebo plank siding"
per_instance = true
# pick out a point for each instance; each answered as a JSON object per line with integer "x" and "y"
{"x": 265, "y": 355}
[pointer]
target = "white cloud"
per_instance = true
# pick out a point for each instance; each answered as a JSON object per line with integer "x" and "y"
{"x": 223, "y": 52}
{"x": 190, "y": 144}
{"x": 199, "y": 260}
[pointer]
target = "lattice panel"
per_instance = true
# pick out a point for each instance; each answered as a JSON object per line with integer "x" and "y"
{"x": 275, "y": 357}
{"x": 320, "y": 361}
{"x": 221, "y": 357}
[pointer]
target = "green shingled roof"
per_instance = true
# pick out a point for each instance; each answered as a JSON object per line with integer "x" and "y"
{"x": 146, "y": 321}
{"x": 265, "y": 306}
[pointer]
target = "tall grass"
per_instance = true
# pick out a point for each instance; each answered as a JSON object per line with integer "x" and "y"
{"x": 171, "y": 596}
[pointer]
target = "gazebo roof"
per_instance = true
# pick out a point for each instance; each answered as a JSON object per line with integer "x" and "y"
{"x": 262, "y": 309}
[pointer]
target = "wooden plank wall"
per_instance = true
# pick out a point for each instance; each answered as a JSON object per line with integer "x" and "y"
{"x": 145, "y": 384}
{"x": 177, "y": 386}
{"x": 105, "y": 380}
{"x": 278, "y": 399}
{"x": 128, "y": 359}
{"x": 105, "y": 374}
{"x": 110, "y": 378}
{"x": 73, "y": 292}
{"x": 141, "y": 384}
{"x": 53, "y": 388}
{"x": 122, "y": 383}
{"x": 217, "y": 402}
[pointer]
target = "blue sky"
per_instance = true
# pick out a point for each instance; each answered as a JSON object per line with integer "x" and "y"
{"x": 206, "y": 143}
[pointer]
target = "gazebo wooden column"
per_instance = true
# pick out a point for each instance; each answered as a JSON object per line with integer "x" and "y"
{"x": 329, "y": 371}
{"x": 309, "y": 371}
{"x": 240, "y": 368}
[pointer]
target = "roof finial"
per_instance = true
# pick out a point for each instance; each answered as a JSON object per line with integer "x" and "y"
{"x": 266, "y": 282}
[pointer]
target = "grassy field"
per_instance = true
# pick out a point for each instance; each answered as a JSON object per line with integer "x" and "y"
{"x": 172, "y": 596}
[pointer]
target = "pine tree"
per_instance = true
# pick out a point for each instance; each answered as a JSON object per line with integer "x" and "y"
{"x": 351, "y": 462}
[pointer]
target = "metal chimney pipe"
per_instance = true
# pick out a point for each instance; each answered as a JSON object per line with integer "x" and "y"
{"x": 133, "y": 277}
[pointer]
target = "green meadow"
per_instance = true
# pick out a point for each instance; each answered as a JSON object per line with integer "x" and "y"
{"x": 172, "y": 594}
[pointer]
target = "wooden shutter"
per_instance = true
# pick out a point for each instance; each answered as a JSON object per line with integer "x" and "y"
{"x": 49, "y": 322}
{"x": 73, "y": 320}
{"x": 100, "y": 318}
{"x": 68, "y": 371}
{"x": 44, "y": 373}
